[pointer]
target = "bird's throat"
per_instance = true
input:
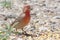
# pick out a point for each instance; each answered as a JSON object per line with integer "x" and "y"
{"x": 27, "y": 13}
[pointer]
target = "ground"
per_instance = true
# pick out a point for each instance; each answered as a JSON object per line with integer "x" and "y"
{"x": 44, "y": 22}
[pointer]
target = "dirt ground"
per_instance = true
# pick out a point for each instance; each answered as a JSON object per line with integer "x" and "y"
{"x": 44, "y": 22}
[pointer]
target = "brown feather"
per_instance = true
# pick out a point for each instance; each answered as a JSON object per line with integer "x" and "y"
{"x": 25, "y": 20}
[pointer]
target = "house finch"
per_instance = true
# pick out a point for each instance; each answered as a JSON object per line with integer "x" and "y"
{"x": 25, "y": 20}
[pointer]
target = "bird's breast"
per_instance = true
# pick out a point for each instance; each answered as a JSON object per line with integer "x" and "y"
{"x": 22, "y": 23}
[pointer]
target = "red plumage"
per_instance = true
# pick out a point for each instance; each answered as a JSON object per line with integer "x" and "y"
{"x": 25, "y": 20}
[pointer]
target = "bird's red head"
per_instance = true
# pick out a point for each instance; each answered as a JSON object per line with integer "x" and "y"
{"x": 26, "y": 9}
{"x": 27, "y": 6}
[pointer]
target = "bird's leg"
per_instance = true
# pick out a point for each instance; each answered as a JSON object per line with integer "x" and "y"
{"x": 24, "y": 33}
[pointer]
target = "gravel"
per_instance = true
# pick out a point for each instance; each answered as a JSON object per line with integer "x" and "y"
{"x": 45, "y": 18}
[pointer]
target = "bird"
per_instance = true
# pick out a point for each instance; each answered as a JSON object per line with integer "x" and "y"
{"x": 25, "y": 20}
